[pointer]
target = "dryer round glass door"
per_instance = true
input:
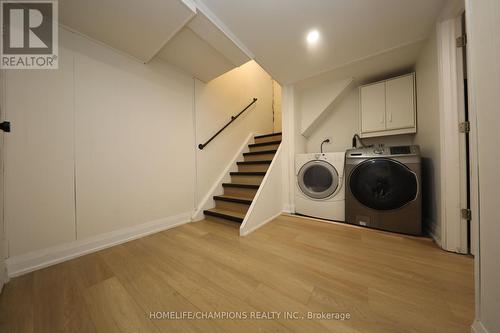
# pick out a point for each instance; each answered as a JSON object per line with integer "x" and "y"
{"x": 383, "y": 184}
{"x": 318, "y": 179}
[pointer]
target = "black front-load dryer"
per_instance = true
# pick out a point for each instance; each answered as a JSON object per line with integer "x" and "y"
{"x": 383, "y": 188}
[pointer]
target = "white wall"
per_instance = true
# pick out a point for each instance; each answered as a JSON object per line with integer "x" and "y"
{"x": 133, "y": 140}
{"x": 340, "y": 124}
{"x": 39, "y": 156}
{"x": 484, "y": 47}
{"x": 103, "y": 134}
{"x": 267, "y": 203}
{"x": 216, "y": 102}
{"x": 105, "y": 147}
{"x": 428, "y": 135}
{"x": 342, "y": 119}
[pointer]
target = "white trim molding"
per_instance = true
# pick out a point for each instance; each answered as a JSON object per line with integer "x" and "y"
{"x": 431, "y": 231}
{"x": 32, "y": 261}
{"x": 249, "y": 230}
{"x": 289, "y": 130}
{"x": 4, "y": 277}
{"x": 478, "y": 327}
{"x": 287, "y": 208}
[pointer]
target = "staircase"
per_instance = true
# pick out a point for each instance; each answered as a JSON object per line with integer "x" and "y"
{"x": 239, "y": 193}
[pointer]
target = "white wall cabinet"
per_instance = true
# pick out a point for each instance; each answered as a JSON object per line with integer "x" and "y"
{"x": 388, "y": 107}
{"x": 373, "y": 107}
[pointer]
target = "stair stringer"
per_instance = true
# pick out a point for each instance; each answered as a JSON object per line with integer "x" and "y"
{"x": 208, "y": 201}
{"x": 267, "y": 203}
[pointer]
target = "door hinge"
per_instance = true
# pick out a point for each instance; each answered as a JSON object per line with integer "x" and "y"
{"x": 464, "y": 127}
{"x": 461, "y": 41}
{"x": 466, "y": 214}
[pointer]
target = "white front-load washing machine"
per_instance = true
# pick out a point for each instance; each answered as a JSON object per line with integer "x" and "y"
{"x": 320, "y": 190}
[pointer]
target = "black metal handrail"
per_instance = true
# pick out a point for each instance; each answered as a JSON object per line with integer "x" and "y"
{"x": 233, "y": 118}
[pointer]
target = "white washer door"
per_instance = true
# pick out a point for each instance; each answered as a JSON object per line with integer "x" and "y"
{"x": 318, "y": 179}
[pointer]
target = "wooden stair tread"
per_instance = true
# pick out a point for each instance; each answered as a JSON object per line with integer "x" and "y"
{"x": 235, "y": 199}
{"x": 270, "y": 143}
{"x": 253, "y": 162}
{"x": 225, "y": 214}
{"x": 253, "y": 186}
{"x": 267, "y": 135}
{"x": 264, "y": 152}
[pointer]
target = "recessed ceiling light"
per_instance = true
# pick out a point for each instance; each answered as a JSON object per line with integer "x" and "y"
{"x": 312, "y": 36}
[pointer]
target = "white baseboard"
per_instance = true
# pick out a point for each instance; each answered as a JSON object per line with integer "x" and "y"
{"x": 478, "y": 327}
{"x": 4, "y": 278}
{"x": 208, "y": 202}
{"x": 287, "y": 209}
{"x": 260, "y": 225}
{"x": 32, "y": 261}
{"x": 430, "y": 229}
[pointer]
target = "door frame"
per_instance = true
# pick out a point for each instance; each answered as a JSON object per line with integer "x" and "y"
{"x": 3, "y": 237}
{"x": 474, "y": 169}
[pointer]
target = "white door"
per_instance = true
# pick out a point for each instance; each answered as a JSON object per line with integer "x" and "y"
{"x": 463, "y": 143}
{"x": 3, "y": 243}
{"x": 400, "y": 102}
{"x": 373, "y": 107}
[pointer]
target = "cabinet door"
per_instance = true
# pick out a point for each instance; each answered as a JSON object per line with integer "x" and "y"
{"x": 373, "y": 107}
{"x": 400, "y": 102}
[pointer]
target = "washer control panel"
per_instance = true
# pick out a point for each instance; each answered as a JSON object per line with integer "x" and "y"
{"x": 400, "y": 150}
{"x": 382, "y": 151}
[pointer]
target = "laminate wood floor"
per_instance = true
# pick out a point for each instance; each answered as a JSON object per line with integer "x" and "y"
{"x": 384, "y": 282}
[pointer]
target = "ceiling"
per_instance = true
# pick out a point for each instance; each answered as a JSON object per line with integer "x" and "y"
{"x": 350, "y": 30}
{"x": 394, "y": 62}
{"x": 203, "y": 50}
{"x": 207, "y": 38}
{"x": 181, "y": 32}
{"x": 139, "y": 28}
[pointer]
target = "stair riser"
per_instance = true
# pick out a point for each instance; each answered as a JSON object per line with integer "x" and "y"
{"x": 260, "y": 157}
{"x": 232, "y": 206}
{"x": 240, "y": 192}
{"x": 247, "y": 179}
{"x": 268, "y": 139}
{"x": 253, "y": 167}
{"x": 263, "y": 148}
{"x": 220, "y": 220}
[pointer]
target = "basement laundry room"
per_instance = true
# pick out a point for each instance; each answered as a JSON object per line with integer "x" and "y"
{"x": 249, "y": 166}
